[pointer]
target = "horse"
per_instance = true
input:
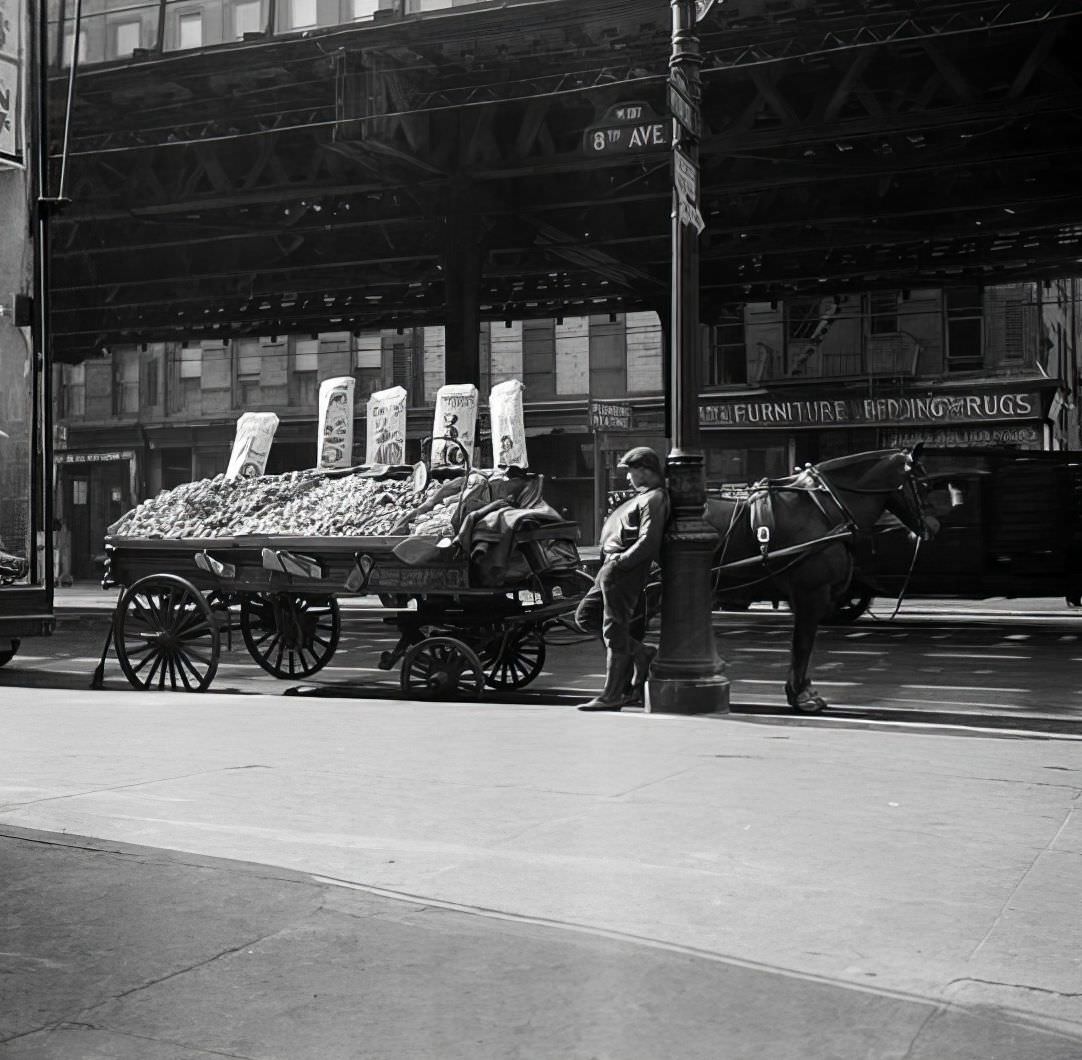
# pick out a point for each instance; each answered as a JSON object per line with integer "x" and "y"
{"x": 800, "y": 533}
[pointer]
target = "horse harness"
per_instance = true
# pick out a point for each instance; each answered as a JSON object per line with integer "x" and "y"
{"x": 760, "y": 507}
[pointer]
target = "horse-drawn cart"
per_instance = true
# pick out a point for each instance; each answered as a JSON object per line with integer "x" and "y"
{"x": 469, "y": 611}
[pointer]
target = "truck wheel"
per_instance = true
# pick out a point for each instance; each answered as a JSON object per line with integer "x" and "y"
{"x": 6, "y": 655}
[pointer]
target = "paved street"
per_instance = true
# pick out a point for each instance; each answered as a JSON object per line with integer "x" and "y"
{"x": 1001, "y": 663}
{"x": 278, "y": 876}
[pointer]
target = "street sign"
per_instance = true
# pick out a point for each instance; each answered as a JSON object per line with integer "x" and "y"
{"x": 685, "y": 112}
{"x": 609, "y": 416}
{"x": 686, "y": 177}
{"x": 701, "y": 9}
{"x": 628, "y": 128}
{"x": 689, "y": 215}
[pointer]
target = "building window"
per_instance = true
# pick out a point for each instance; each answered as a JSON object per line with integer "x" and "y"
{"x": 74, "y": 378}
{"x": 190, "y": 30}
{"x": 151, "y": 391}
{"x": 248, "y": 360}
{"x": 247, "y": 18}
{"x": 572, "y": 341}
{"x": 306, "y": 355}
{"x": 607, "y": 350}
{"x": 306, "y": 370}
{"x": 645, "y": 351}
{"x": 737, "y": 466}
{"x": 69, "y": 41}
{"x": 191, "y": 362}
{"x": 364, "y": 8}
{"x": 126, "y": 39}
{"x": 368, "y": 364}
{"x": 883, "y": 313}
{"x": 965, "y": 329}
{"x": 126, "y": 383}
{"x": 302, "y": 14}
{"x": 728, "y": 354}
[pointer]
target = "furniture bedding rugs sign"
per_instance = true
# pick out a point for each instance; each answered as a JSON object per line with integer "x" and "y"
{"x": 889, "y": 411}
{"x": 12, "y": 13}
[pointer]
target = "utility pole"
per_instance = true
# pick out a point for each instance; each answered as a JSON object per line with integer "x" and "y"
{"x": 687, "y": 675}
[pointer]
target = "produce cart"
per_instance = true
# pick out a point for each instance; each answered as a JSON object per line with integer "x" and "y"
{"x": 471, "y": 610}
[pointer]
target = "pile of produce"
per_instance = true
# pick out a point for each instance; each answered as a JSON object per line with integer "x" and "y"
{"x": 301, "y": 503}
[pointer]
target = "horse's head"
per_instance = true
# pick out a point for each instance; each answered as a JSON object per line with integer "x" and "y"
{"x": 908, "y": 501}
{"x": 884, "y": 480}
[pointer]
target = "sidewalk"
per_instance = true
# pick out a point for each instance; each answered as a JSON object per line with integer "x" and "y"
{"x": 280, "y": 878}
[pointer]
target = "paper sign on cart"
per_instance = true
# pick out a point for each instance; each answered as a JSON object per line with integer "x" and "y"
{"x": 385, "y": 435}
{"x": 453, "y": 430}
{"x": 336, "y": 422}
{"x": 508, "y": 424}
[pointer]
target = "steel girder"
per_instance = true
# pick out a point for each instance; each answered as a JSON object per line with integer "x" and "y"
{"x": 843, "y": 149}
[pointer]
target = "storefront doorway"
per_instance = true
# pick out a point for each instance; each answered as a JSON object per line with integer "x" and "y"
{"x": 93, "y": 497}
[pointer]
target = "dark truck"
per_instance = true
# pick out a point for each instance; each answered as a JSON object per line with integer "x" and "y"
{"x": 1010, "y": 525}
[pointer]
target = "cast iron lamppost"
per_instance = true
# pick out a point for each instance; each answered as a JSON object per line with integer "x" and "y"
{"x": 688, "y": 675}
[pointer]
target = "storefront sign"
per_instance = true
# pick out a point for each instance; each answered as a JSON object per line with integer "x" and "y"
{"x": 887, "y": 411}
{"x": 1021, "y": 437}
{"x": 95, "y": 458}
{"x": 12, "y": 15}
{"x": 609, "y": 416}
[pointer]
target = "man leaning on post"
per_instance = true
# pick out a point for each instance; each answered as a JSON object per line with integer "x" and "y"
{"x": 630, "y": 542}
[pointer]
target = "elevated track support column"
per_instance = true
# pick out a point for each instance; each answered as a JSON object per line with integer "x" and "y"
{"x": 688, "y": 675}
{"x": 462, "y": 282}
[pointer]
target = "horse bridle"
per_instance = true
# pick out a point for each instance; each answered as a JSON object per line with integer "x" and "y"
{"x": 908, "y": 485}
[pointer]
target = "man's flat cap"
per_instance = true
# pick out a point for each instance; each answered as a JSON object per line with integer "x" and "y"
{"x": 642, "y": 456}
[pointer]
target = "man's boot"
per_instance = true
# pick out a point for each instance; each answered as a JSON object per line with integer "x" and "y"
{"x": 617, "y": 671}
{"x": 642, "y": 656}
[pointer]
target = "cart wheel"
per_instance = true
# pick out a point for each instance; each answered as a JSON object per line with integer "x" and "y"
{"x": 442, "y": 668}
{"x": 520, "y": 661}
{"x": 9, "y": 653}
{"x": 166, "y": 635}
{"x": 290, "y": 634}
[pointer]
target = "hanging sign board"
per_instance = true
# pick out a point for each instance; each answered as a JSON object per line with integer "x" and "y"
{"x": 628, "y": 128}
{"x": 686, "y": 177}
{"x": 12, "y": 16}
{"x": 685, "y": 112}
{"x": 702, "y": 8}
{"x": 610, "y": 416}
{"x": 686, "y": 180}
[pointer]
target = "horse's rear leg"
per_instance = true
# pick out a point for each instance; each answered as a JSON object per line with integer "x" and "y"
{"x": 809, "y": 606}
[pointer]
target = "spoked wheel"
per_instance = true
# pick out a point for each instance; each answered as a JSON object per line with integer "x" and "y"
{"x": 290, "y": 634}
{"x": 7, "y": 654}
{"x": 166, "y": 636}
{"x": 521, "y": 659}
{"x": 442, "y": 668}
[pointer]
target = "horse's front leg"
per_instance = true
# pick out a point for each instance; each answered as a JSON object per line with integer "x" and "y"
{"x": 809, "y": 606}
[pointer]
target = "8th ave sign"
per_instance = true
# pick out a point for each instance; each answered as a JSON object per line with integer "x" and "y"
{"x": 628, "y": 128}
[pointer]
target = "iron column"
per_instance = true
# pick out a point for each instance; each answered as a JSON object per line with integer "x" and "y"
{"x": 688, "y": 675}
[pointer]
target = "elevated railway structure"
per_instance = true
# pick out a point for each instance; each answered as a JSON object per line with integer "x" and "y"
{"x": 445, "y": 167}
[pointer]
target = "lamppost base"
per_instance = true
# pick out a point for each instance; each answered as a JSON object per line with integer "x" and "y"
{"x": 688, "y": 695}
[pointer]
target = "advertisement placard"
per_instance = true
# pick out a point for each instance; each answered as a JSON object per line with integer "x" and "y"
{"x": 12, "y": 15}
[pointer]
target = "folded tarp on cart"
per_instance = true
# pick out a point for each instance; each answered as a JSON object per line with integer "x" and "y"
{"x": 507, "y": 545}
